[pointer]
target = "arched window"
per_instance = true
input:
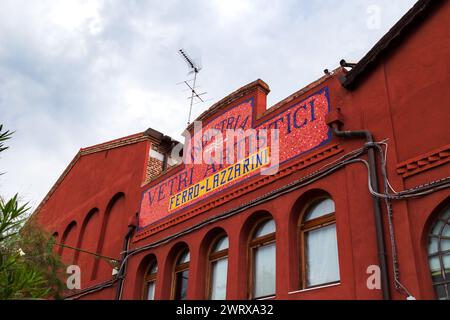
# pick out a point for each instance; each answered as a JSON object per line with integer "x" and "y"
{"x": 439, "y": 255}
{"x": 218, "y": 264}
{"x": 262, "y": 253}
{"x": 150, "y": 281}
{"x": 318, "y": 244}
{"x": 181, "y": 276}
{"x": 69, "y": 237}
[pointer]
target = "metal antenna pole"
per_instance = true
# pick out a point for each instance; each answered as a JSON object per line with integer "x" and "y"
{"x": 192, "y": 98}
{"x": 194, "y": 69}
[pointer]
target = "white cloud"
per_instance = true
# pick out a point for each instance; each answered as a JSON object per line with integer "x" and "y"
{"x": 78, "y": 72}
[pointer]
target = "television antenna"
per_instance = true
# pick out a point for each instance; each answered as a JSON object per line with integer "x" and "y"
{"x": 195, "y": 69}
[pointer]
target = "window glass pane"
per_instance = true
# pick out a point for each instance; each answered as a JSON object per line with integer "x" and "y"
{"x": 440, "y": 265}
{"x": 433, "y": 245}
{"x": 446, "y": 231}
{"x": 184, "y": 257}
{"x": 265, "y": 228}
{"x": 437, "y": 227}
{"x": 151, "y": 290}
{"x": 445, "y": 244}
{"x": 446, "y": 214}
{"x": 320, "y": 208}
{"x": 153, "y": 269}
{"x": 440, "y": 292}
{"x": 264, "y": 271}
{"x": 322, "y": 261}
{"x": 434, "y": 265}
{"x": 181, "y": 285}
{"x": 219, "y": 279}
{"x": 446, "y": 261}
{"x": 221, "y": 244}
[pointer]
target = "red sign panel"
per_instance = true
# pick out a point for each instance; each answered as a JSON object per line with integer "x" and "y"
{"x": 301, "y": 127}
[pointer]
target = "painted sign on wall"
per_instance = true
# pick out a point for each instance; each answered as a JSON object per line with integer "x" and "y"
{"x": 300, "y": 128}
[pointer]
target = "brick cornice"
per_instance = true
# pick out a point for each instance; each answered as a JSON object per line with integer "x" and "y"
{"x": 135, "y": 138}
{"x": 424, "y": 162}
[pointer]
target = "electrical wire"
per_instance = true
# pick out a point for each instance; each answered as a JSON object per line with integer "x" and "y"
{"x": 395, "y": 264}
{"x": 329, "y": 168}
{"x": 409, "y": 193}
{"x": 386, "y": 146}
{"x": 308, "y": 179}
{"x": 92, "y": 289}
{"x": 110, "y": 260}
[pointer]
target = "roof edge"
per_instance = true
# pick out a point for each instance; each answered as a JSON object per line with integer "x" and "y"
{"x": 301, "y": 91}
{"x": 112, "y": 144}
{"x": 409, "y": 20}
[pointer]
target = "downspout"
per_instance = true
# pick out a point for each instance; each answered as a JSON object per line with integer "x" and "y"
{"x": 126, "y": 244}
{"x": 334, "y": 123}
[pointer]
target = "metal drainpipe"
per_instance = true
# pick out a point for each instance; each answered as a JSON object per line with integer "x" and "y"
{"x": 120, "y": 276}
{"x": 376, "y": 205}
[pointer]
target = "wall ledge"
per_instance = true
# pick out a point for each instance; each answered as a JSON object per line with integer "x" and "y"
{"x": 424, "y": 162}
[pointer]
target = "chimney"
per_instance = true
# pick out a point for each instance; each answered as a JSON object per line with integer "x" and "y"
{"x": 159, "y": 159}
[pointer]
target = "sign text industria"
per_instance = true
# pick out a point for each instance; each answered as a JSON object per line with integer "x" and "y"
{"x": 229, "y": 148}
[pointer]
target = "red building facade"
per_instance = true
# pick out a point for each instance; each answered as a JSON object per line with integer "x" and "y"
{"x": 313, "y": 229}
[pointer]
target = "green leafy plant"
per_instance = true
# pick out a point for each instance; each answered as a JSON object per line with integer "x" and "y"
{"x": 29, "y": 266}
{"x": 4, "y": 135}
{"x": 12, "y": 217}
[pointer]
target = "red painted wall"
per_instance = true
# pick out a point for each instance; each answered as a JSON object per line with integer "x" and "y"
{"x": 404, "y": 99}
{"x": 98, "y": 196}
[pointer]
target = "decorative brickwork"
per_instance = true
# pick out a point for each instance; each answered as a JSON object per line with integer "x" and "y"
{"x": 424, "y": 162}
{"x": 154, "y": 169}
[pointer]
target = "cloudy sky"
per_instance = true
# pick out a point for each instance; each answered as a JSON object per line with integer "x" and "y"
{"x": 76, "y": 73}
